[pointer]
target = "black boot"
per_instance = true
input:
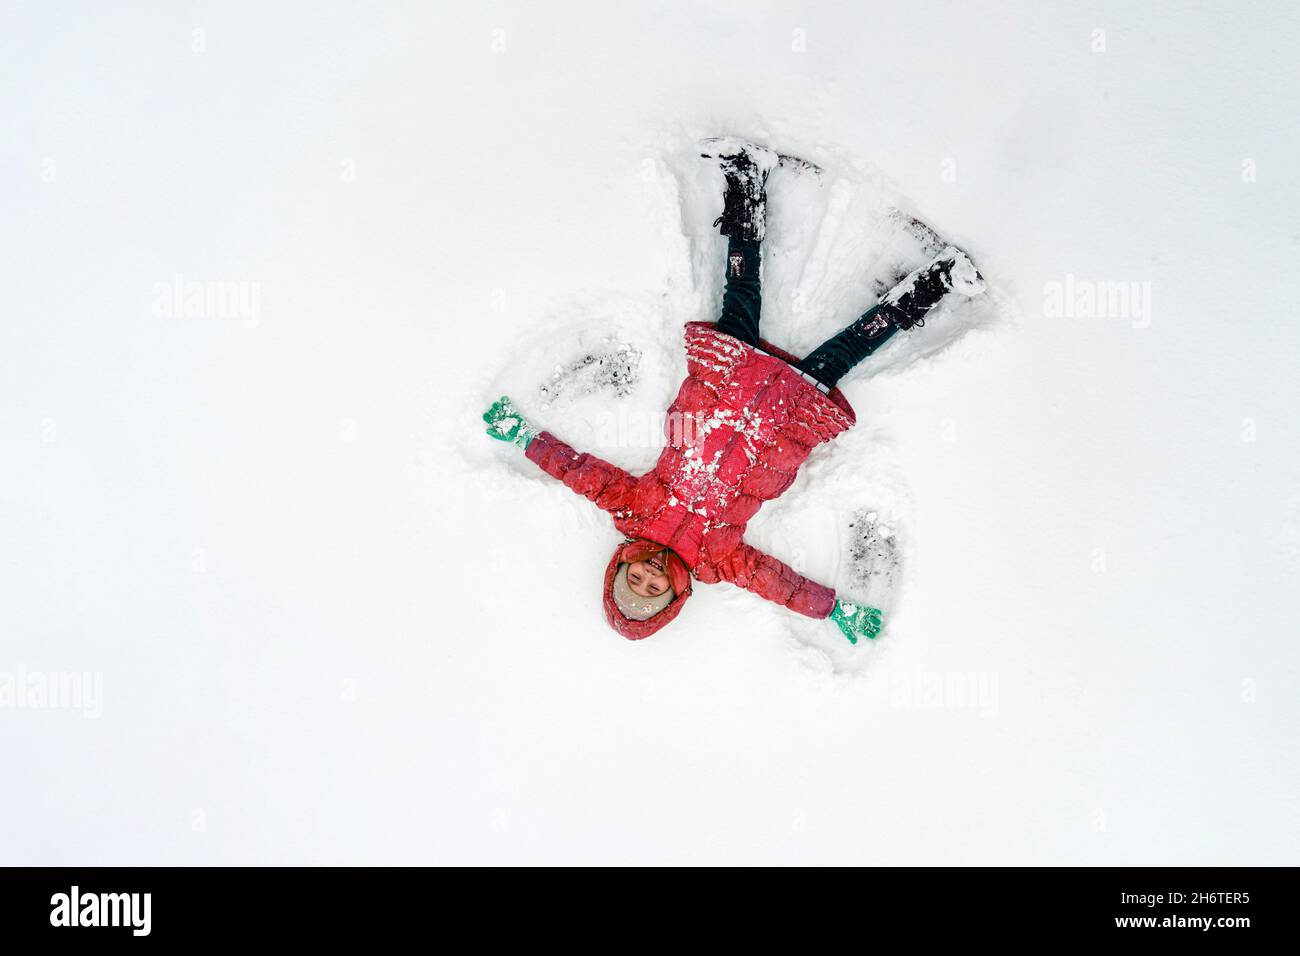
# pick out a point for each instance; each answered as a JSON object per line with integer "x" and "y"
{"x": 907, "y": 303}
{"x": 744, "y": 205}
{"x": 903, "y": 307}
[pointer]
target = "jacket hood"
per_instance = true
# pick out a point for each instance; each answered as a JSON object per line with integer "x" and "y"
{"x": 631, "y": 552}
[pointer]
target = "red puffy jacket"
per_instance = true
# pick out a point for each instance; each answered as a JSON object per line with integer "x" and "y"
{"x": 743, "y": 422}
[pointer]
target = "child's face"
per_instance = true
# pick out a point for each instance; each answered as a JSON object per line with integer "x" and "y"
{"x": 648, "y": 578}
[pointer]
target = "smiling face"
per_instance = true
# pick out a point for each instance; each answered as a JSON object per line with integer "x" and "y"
{"x": 648, "y": 578}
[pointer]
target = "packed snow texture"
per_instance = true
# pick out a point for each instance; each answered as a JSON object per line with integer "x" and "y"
{"x": 323, "y": 618}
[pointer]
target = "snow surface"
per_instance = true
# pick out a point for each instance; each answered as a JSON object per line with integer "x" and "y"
{"x": 334, "y": 622}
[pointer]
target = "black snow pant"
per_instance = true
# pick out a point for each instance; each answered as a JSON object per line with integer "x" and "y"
{"x": 830, "y": 361}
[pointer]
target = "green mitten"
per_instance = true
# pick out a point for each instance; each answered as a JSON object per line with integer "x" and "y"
{"x": 856, "y": 620}
{"x": 506, "y": 424}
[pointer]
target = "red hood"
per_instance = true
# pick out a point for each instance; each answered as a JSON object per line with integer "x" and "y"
{"x": 633, "y": 551}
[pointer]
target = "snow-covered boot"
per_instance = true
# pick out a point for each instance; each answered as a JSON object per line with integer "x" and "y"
{"x": 746, "y": 167}
{"x": 950, "y": 271}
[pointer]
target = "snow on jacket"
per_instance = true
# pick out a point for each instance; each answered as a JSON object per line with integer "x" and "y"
{"x": 742, "y": 423}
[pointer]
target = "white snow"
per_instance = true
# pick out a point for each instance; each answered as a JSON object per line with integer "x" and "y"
{"x": 309, "y": 585}
{"x": 964, "y": 276}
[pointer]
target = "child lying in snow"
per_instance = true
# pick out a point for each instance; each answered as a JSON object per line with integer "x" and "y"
{"x": 760, "y": 411}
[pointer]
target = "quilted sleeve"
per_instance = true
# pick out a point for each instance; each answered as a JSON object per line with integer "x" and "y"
{"x": 751, "y": 569}
{"x": 608, "y": 486}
